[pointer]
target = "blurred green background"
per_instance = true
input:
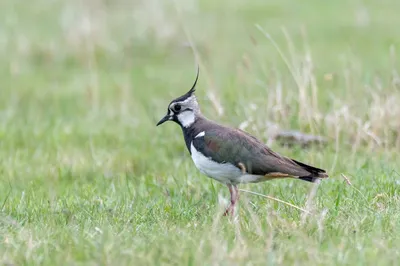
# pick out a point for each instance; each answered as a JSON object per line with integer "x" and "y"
{"x": 87, "y": 178}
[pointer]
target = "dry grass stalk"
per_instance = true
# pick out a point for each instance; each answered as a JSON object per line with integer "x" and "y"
{"x": 275, "y": 199}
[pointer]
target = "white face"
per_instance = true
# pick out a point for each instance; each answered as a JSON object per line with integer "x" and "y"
{"x": 185, "y": 111}
{"x": 186, "y": 118}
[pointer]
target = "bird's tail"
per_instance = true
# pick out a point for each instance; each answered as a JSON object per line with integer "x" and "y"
{"x": 315, "y": 173}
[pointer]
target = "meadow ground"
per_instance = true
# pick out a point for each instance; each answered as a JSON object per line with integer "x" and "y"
{"x": 87, "y": 178}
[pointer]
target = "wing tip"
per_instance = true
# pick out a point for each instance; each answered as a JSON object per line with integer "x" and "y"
{"x": 315, "y": 178}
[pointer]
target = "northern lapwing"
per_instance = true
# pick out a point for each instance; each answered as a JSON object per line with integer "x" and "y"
{"x": 231, "y": 156}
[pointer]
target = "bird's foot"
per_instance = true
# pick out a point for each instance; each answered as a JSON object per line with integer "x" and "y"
{"x": 233, "y": 190}
{"x": 230, "y": 211}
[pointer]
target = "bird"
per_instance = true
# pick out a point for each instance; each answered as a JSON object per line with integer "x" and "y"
{"x": 229, "y": 155}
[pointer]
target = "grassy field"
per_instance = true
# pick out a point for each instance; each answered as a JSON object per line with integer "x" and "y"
{"x": 87, "y": 179}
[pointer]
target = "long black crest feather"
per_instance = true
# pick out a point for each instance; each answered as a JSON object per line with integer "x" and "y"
{"x": 193, "y": 89}
{"x": 190, "y": 92}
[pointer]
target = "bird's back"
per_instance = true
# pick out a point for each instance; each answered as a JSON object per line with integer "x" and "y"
{"x": 227, "y": 145}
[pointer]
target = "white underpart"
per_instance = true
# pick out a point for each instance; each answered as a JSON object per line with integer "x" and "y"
{"x": 250, "y": 179}
{"x": 201, "y": 134}
{"x": 223, "y": 172}
{"x": 186, "y": 118}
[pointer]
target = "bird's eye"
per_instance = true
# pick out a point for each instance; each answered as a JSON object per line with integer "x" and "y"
{"x": 177, "y": 107}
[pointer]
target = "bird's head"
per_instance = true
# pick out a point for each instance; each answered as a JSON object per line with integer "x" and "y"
{"x": 183, "y": 110}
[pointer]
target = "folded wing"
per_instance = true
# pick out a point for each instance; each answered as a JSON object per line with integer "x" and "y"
{"x": 245, "y": 151}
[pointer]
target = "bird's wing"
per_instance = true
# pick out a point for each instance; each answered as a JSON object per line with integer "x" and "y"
{"x": 246, "y": 152}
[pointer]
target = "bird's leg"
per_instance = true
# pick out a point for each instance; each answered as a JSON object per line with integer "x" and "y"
{"x": 234, "y": 191}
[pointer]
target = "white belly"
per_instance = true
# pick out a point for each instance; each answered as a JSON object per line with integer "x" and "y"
{"x": 223, "y": 172}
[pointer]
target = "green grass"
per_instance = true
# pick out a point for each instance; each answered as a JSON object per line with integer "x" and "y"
{"x": 87, "y": 178}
